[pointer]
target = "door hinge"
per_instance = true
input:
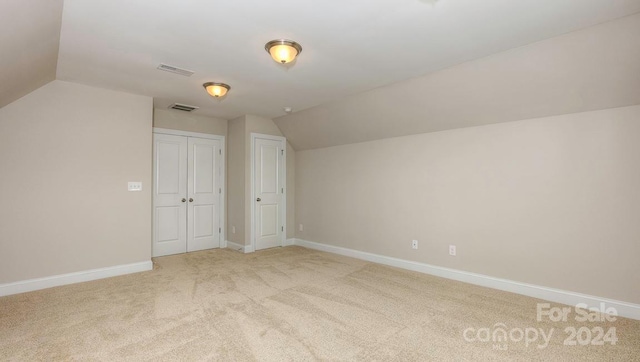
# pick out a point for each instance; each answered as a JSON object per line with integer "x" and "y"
{"x": 220, "y": 190}
{"x": 282, "y": 152}
{"x": 220, "y": 151}
{"x": 219, "y": 230}
{"x": 282, "y": 228}
{"x": 283, "y": 190}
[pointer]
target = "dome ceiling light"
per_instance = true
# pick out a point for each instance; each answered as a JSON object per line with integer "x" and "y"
{"x": 283, "y": 51}
{"x": 216, "y": 90}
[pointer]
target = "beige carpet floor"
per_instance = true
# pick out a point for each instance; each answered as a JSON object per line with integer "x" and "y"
{"x": 284, "y": 304}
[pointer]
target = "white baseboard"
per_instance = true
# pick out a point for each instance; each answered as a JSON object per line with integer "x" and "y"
{"x": 234, "y": 246}
{"x": 249, "y": 248}
{"x": 223, "y": 244}
{"x": 239, "y": 247}
{"x": 71, "y": 278}
{"x": 624, "y": 309}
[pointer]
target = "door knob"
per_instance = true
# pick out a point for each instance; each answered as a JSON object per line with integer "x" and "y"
{"x": 190, "y": 200}
{"x": 184, "y": 200}
{"x": 258, "y": 199}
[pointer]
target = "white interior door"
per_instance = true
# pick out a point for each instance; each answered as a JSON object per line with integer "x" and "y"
{"x": 188, "y": 196}
{"x": 268, "y": 184}
{"x": 169, "y": 194}
{"x": 204, "y": 192}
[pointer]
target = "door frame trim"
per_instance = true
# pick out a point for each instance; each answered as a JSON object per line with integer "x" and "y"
{"x": 222, "y": 222}
{"x": 283, "y": 176}
{"x": 176, "y": 132}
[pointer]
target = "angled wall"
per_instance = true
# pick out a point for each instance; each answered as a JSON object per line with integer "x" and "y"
{"x": 67, "y": 152}
{"x": 551, "y": 202}
{"x": 586, "y": 70}
{"x": 30, "y": 40}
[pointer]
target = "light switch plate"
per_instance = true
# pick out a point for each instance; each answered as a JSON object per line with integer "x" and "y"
{"x": 134, "y": 186}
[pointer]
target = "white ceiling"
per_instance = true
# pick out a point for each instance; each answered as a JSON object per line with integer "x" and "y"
{"x": 350, "y": 46}
{"x": 586, "y": 70}
{"x": 419, "y": 50}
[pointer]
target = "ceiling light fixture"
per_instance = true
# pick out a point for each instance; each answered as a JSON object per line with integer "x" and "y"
{"x": 216, "y": 90}
{"x": 282, "y": 50}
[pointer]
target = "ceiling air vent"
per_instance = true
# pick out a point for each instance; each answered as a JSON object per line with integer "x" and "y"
{"x": 172, "y": 69}
{"x": 183, "y": 107}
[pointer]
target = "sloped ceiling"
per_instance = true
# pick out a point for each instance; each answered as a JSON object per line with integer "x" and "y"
{"x": 368, "y": 70}
{"x": 591, "y": 69}
{"x": 349, "y": 46}
{"x": 29, "y": 42}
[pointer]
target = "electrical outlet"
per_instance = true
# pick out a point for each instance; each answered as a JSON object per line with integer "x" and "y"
{"x": 452, "y": 250}
{"x": 300, "y": 227}
{"x": 233, "y": 229}
{"x": 134, "y": 186}
{"x": 414, "y": 244}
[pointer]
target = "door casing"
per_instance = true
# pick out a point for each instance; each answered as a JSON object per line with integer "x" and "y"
{"x": 223, "y": 180}
{"x": 282, "y": 176}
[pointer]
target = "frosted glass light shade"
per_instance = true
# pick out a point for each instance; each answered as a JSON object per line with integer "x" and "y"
{"x": 282, "y": 50}
{"x": 216, "y": 90}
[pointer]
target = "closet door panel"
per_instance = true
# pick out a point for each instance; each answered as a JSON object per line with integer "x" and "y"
{"x": 169, "y": 192}
{"x": 204, "y": 192}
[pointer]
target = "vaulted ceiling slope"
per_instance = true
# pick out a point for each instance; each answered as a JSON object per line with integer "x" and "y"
{"x": 349, "y": 46}
{"x": 29, "y": 42}
{"x": 368, "y": 70}
{"x": 590, "y": 69}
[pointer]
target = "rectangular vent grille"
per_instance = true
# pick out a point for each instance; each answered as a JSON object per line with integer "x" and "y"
{"x": 176, "y": 70}
{"x": 183, "y": 107}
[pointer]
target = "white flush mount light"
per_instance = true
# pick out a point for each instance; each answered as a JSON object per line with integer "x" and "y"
{"x": 282, "y": 50}
{"x": 288, "y": 109}
{"x": 216, "y": 90}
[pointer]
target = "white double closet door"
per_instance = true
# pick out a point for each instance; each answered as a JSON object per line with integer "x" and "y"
{"x": 187, "y": 193}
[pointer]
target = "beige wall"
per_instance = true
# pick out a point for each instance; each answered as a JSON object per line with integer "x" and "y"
{"x": 67, "y": 152}
{"x": 236, "y": 180}
{"x": 552, "y": 201}
{"x": 184, "y": 121}
{"x": 239, "y": 176}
